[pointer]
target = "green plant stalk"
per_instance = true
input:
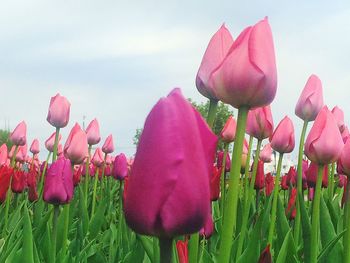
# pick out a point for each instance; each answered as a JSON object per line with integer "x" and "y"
{"x": 274, "y": 201}
{"x": 56, "y": 212}
{"x": 94, "y": 194}
{"x": 13, "y": 159}
{"x": 203, "y": 241}
{"x": 316, "y": 216}
{"x": 120, "y": 207}
{"x": 222, "y": 180}
{"x": 42, "y": 178}
{"x": 55, "y": 146}
{"x": 87, "y": 175}
{"x": 331, "y": 181}
{"x": 346, "y": 237}
{"x": 300, "y": 182}
{"x": 193, "y": 248}
{"x": 247, "y": 201}
{"x": 166, "y": 249}
{"x": 229, "y": 221}
{"x": 65, "y": 228}
{"x": 103, "y": 174}
{"x": 213, "y": 105}
{"x": 247, "y": 165}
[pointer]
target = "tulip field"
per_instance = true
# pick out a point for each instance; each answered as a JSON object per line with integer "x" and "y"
{"x": 180, "y": 198}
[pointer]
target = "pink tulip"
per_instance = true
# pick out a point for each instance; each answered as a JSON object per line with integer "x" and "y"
{"x": 162, "y": 197}
{"x": 342, "y": 180}
{"x": 3, "y": 154}
{"x": 245, "y": 147}
{"x": 311, "y": 193}
{"x": 108, "y": 146}
{"x": 93, "y": 132}
{"x": 345, "y": 134}
{"x": 34, "y": 147}
{"x": 60, "y": 152}
{"x": 339, "y": 117}
{"x": 266, "y": 153}
{"x": 49, "y": 143}
{"x": 282, "y": 139}
{"x": 344, "y": 160}
{"x": 98, "y": 157}
{"x": 260, "y": 123}
{"x": 58, "y": 115}
{"x": 120, "y": 167}
{"x": 228, "y": 133}
{"x": 248, "y": 76}
{"x": 58, "y": 186}
{"x": 19, "y": 134}
{"x": 311, "y": 100}
{"x": 75, "y": 148}
{"x": 220, "y": 161}
{"x": 21, "y": 153}
{"x": 216, "y": 51}
{"x": 324, "y": 142}
{"x": 208, "y": 229}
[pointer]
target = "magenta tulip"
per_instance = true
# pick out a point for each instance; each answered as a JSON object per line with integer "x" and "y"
{"x": 339, "y": 117}
{"x": 34, "y": 147}
{"x": 58, "y": 187}
{"x": 163, "y": 198}
{"x": 311, "y": 100}
{"x": 282, "y": 139}
{"x": 108, "y": 146}
{"x": 266, "y": 153}
{"x": 120, "y": 167}
{"x": 98, "y": 157}
{"x": 19, "y": 135}
{"x": 228, "y": 133}
{"x": 3, "y": 154}
{"x": 324, "y": 142}
{"x": 216, "y": 51}
{"x": 260, "y": 123}
{"x": 58, "y": 115}
{"x": 49, "y": 143}
{"x": 75, "y": 148}
{"x": 208, "y": 229}
{"x": 93, "y": 132}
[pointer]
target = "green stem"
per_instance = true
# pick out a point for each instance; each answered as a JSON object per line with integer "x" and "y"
{"x": 222, "y": 180}
{"x": 346, "y": 237}
{"x": 203, "y": 241}
{"x": 300, "y": 181}
{"x": 331, "y": 181}
{"x": 103, "y": 174}
{"x": 193, "y": 248}
{"x": 13, "y": 159}
{"x": 212, "y": 112}
{"x": 316, "y": 215}
{"x": 94, "y": 194}
{"x": 65, "y": 228}
{"x": 87, "y": 175}
{"x": 56, "y": 212}
{"x": 247, "y": 165}
{"x": 55, "y": 146}
{"x": 120, "y": 211}
{"x": 274, "y": 201}
{"x": 229, "y": 221}
{"x": 247, "y": 201}
{"x": 42, "y": 178}
{"x": 165, "y": 246}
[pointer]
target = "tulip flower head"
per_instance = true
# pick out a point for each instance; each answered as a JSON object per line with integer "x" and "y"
{"x": 5, "y": 178}
{"x": 3, "y": 154}
{"x": 343, "y": 166}
{"x": 75, "y": 148}
{"x": 93, "y": 132}
{"x": 282, "y": 139}
{"x": 260, "y": 123}
{"x": 266, "y": 153}
{"x": 34, "y": 147}
{"x": 339, "y": 117}
{"x": 108, "y": 146}
{"x": 228, "y": 133}
{"x": 19, "y": 135}
{"x": 49, "y": 143}
{"x": 208, "y": 229}
{"x": 182, "y": 251}
{"x": 220, "y": 159}
{"x": 260, "y": 176}
{"x": 120, "y": 167}
{"x": 58, "y": 115}
{"x": 98, "y": 157}
{"x": 215, "y": 184}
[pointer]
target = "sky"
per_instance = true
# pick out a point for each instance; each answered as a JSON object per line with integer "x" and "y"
{"x": 114, "y": 59}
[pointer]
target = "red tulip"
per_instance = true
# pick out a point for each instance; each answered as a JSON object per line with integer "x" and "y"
{"x": 93, "y": 132}
{"x": 19, "y": 134}
{"x": 215, "y": 184}
{"x": 77, "y": 175}
{"x": 269, "y": 184}
{"x": 292, "y": 176}
{"x": 324, "y": 143}
{"x": 3, "y": 154}
{"x": 18, "y": 182}
{"x": 31, "y": 181}
{"x": 282, "y": 139}
{"x": 311, "y": 175}
{"x": 291, "y": 208}
{"x": 34, "y": 147}
{"x": 339, "y": 117}
{"x": 5, "y": 178}
{"x": 220, "y": 160}
{"x": 266, "y": 153}
{"x": 49, "y": 143}
{"x": 58, "y": 115}
{"x": 75, "y": 148}
{"x": 228, "y": 133}
{"x": 284, "y": 183}
{"x": 108, "y": 146}
{"x": 260, "y": 123}
{"x": 182, "y": 251}
{"x": 260, "y": 176}
{"x": 265, "y": 256}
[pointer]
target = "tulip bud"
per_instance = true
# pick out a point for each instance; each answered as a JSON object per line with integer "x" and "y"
{"x": 291, "y": 208}
{"x": 260, "y": 176}
{"x": 343, "y": 166}
{"x": 284, "y": 184}
{"x": 342, "y": 179}
{"x": 311, "y": 193}
{"x": 93, "y": 132}
{"x": 58, "y": 115}
{"x": 260, "y": 123}
{"x": 108, "y": 146}
{"x": 311, "y": 175}
{"x": 339, "y": 117}
{"x": 31, "y": 181}
{"x": 182, "y": 251}
{"x": 77, "y": 175}
{"x": 292, "y": 176}
{"x": 266, "y": 153}
{"x": 21, "y": 155}
{"x": 120, "y": 167}
{"x": 75, "y": 148}
{"x": 98, "y": 157}
{"x": 220, "y": 160}
{"x": 208, "y": 229}
{"x": 49, "y": 143}
{"x": 3, "y": 154}
{"x": 228, "y": 133}
{"x": 345, "y": 134}
{"x": 265, "y": 256}
{"x": 282, "y": 139}
{"x": 5, "y": 178}
{"x": 269, "y": 184}
{"x": 18, "y": 182}
{"x": 19, "y": 134}
{"x": 34, "y": 147}
{"x": 215, "y": 184}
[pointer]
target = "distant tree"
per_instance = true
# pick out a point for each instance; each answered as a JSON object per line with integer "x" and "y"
{"x": 5, "y": 138}
{"x": 222, "y": 114}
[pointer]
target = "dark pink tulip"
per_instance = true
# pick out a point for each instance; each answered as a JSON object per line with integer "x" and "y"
{"x": 311, "y": 193}
{"x": 215, "y": 183}
{"x": 345, "y": 134}
{"x": 19, "y": 135}
{"x": 75, "y": 148}
{"x": 260, "y": 123}
{"x": 34, "y": 147}
{"x": 339, "y": 117}
{"x": 284, "y": 183}
{"x": 220, "y": 161}
{"x": 98, "y": 157}
{"x": 93, "y": 132}
{"x": 324, "y": 143}
{"x": 260, "y": 176}
{"x": 3, "y": 154}
{"x": 342, "y": 180}
{"x": 108, "y": 146}
{"x": 109, "y": 159}
{"x": 311, "y": 100}
{"x": 266, "y": 153}
{"x": 228, "y": 133}
{"x": 216, "y": 51}
{"x": 49, "y": 143}
{"x": 58, "y": 115}
{"x": 282, "y": 139}
{"x": 208, "y": 229}
{"x": 248, "y": 75}
{"x": 58, "y": 187}
{"x": 163, "y": 197}
{"x": 77, "y": 175}
{"x": 343, "y": 166}
{"x": 120, "y": 167}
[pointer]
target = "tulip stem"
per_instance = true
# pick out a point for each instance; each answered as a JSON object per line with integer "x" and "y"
{"x": 56, "y": 212}
{"x": 229, "y": 221}
{"x": 247, "y": 201}
{"x": 42, "y": 178}
{"x": 13, "y": 159}
{"x": 316, "y": 215}
{"x": 346, "y": 237}
{"x": 87, "y": 175}
{"x": 193, "y": 248}
{"x": 103, "y": 174}
{"x": 223, "y": 173}
{"x": 65, "y": 228}
{"x": 55, "y": 146}
{"x": 300, "y": 182}
{"x": 331, "y": 181}
{"x": 94, "y": 194}
{"x": 166, "y": 249}
{"x": 213, "y": 105}
{"x": 274, "y": 201}
{"x": 120, "y": 211}
{"x": 247, "y": 165}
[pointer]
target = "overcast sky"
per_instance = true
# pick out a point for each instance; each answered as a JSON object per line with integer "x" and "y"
{"x": 114, "y": 59}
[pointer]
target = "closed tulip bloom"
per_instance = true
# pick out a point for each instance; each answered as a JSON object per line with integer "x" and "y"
{"x": 342, "y": 179}
{"x": 58, "y": 115}
{"x": 284, "y": 183}
{"x": 311, "y": 175}
{"x": 248, "y": 76}
{"x": 19, "y": 181}
{"x": 339, "y": 117}
{"x": 3, "y": 154}
{"x": 292, "y": 176}
{"x": 58, "y": 187}
{"x": 311, "y": 193}
{"x": 269, "y": 184}
{"x": 260, "y": 123}
{"x": 21, "y": 155}
{"x": 75, "y": 148}
{"x": 220, "y": 159}
{"x": 228, "y": 133}
{"x": 5, "y": 178}
{"x": 215, "y": 184}
{"x": 49, "y": 143}
{"x": 265, "y": 256}
{"x": 98, "y": 157}
{"x": 163, "y": 198}
{"x": 108, "y": 146}
{"x": 343, "y": 166}
{"x": 208, "y": 229}
{"x": 266, "y": 153}
{"x": 305, "y": 166}
{"x": 282, "y": 139}
{"x": 77, "y": 175}
{"x": 120, "y": 167}
{"x": 216, "y": 51}
{"x": 182, "y": 251}
{"x": 324, "y": 143}
{"x": 93, "y": 132}
{"x": 245, "y": 147}
{"x": 34, "y": 147}
{"x": 19, "y": 135}
{"x": 260, "y": 176}
{"x": 311, "y": 100}
{"x": 291, "y": 207}
{"x": 31, "y": 181}
{"x": 345, "y": 134}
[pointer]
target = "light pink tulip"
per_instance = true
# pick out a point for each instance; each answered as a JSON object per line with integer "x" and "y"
{"x": 260, "y": 123}
{"x": 19, "y": 134}
{"x": 324, "y": 143}
{"x": 216, "y": 51}
{"x": 282, "y": 139}
{"x": 248, "y": 75}
{"x": 245, "y": 147}
{"x": 34, "y": 147}
{"x": 345, "y": 134}
{"x": 75, "y": 148}
{"x": 21, "y": 153}
{"x": 339, "y": 117}
{"x": 228, "y": 133}
{"x": 49, "y": 143}
{"x": 311, "y": 99}
{"x": 93, "y": 132}
{"x": 108, "y": 146}
{"x": 58, "y": 115}
{"x": 266, "y": 153}
{"x": 344, "y": 160}
{"x": 98, "y": 157}
{"x": 3, "y": 154}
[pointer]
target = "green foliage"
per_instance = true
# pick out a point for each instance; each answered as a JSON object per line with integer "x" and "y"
{"x": 5, "y": 138}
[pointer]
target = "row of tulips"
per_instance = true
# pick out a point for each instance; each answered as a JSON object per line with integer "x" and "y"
{"x": 179, "y": 199}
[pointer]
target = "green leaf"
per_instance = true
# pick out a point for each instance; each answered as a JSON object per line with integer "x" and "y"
{"x": 27, "y": 245}
{"x": 306, "y": 227}
{"x": 97, "y": 220}
{"x": 287, "y": 249}
{"x": 136, "y": 254}
{"x": 325, "y": 251}
{"x": 147, "y": 244}
{"x": 282, "y": 226}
